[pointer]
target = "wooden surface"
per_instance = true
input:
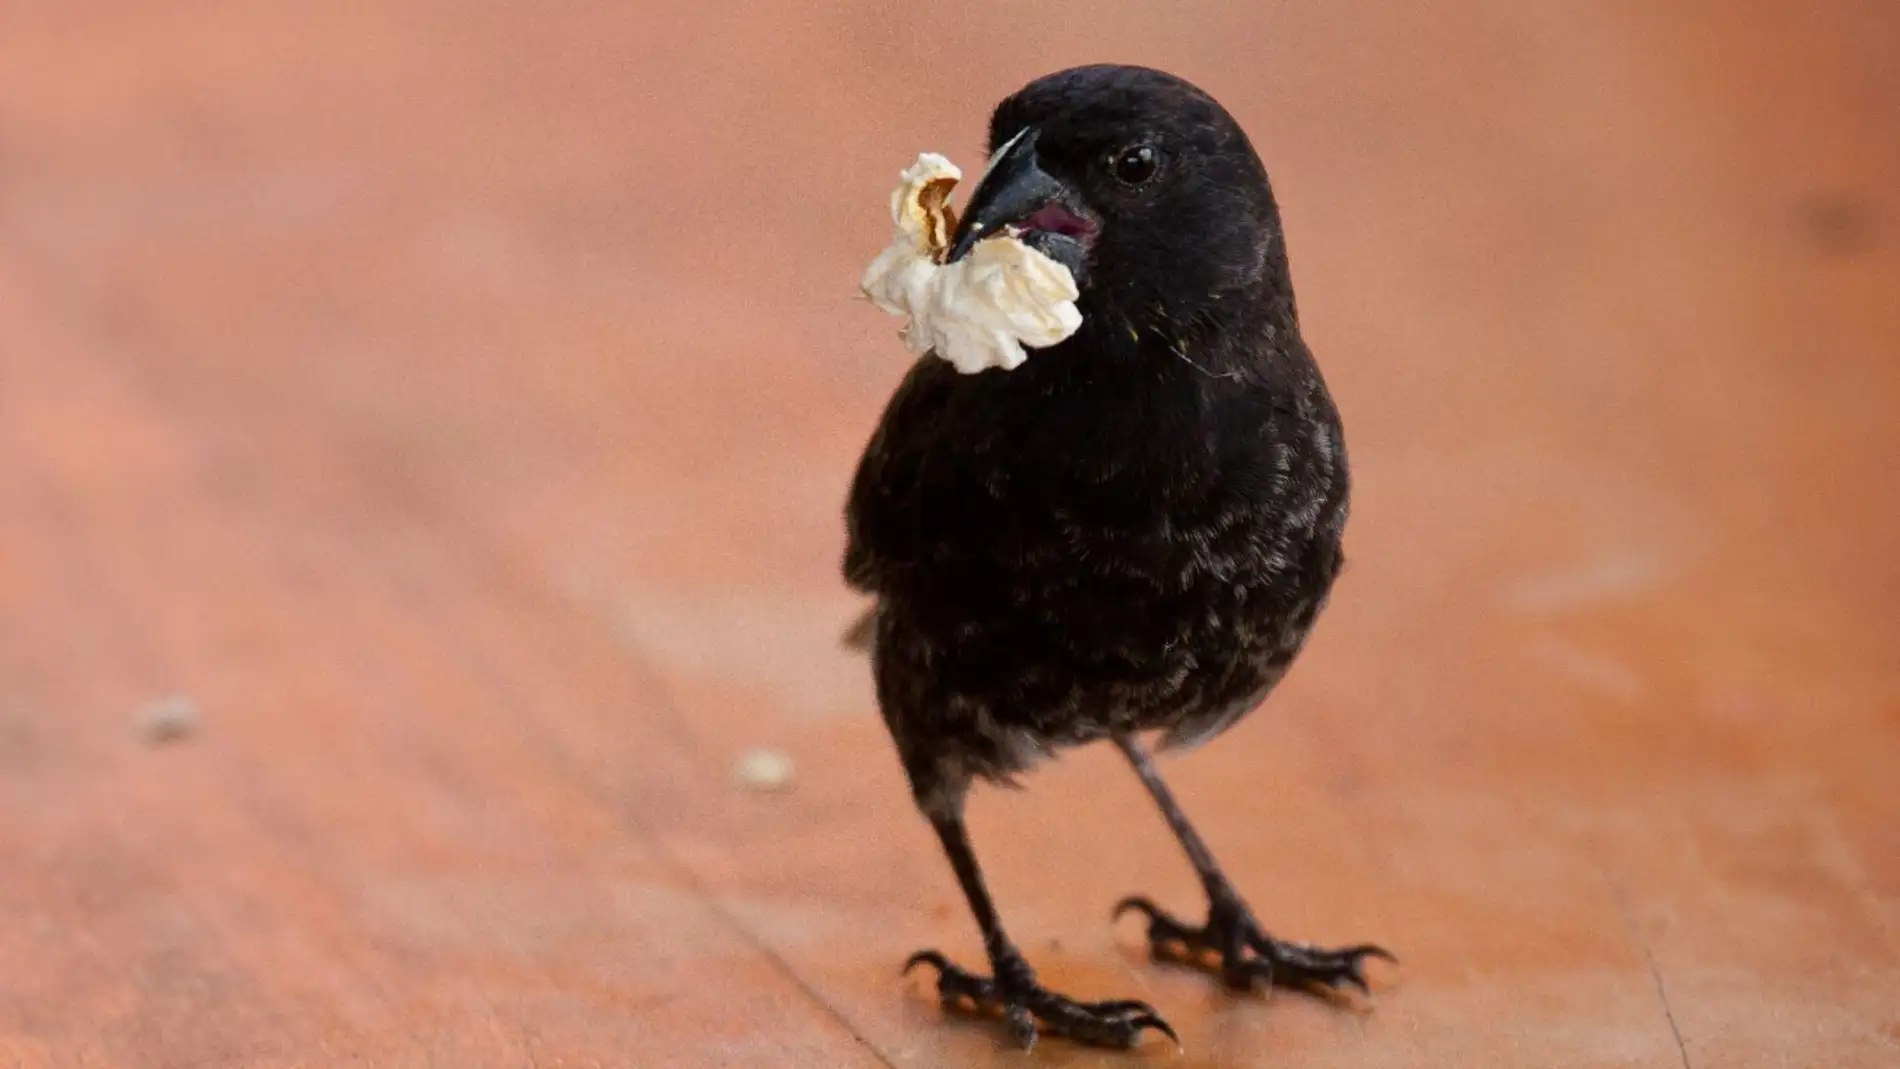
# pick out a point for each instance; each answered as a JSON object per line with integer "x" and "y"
{"x": 455, "y": 402}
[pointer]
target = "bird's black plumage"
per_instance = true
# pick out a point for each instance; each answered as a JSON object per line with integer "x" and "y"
{"x": 1133, "y": 531}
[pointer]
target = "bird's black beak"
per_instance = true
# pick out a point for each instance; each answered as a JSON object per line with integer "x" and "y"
{"x": 1013, "y": 191}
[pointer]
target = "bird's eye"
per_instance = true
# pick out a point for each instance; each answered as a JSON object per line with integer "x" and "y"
{"x": 1135, "y": 164}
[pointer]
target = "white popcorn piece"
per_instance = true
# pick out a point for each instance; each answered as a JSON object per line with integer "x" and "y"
{"x": 981, "y": 311}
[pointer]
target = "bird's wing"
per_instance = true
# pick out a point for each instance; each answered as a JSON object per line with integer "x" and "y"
{"x": 881, "y": 517}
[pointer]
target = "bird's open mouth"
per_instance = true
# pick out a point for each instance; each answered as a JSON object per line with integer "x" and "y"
{"x": 1053, "y": 218}
{"x": 1059, "y": 233}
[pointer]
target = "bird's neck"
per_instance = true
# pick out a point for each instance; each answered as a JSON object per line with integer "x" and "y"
{"x": 1222, "y": 333}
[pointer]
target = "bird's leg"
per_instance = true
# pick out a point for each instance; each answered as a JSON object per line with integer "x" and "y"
{"x": 1245, "y": 955}
{"x": 1011, "y": 987}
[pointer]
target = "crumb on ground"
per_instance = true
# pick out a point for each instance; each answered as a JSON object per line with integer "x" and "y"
{"x": 763, "y": 770}
{"x": 167, "y": 719}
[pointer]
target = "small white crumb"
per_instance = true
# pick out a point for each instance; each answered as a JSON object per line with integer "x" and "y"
{"x": 976, "y": 313}
{"x": 167, "y": 719}
{"x": 763, "y": 770}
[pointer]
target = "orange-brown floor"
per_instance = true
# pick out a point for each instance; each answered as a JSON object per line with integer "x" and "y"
{"x": 455, "y": 403}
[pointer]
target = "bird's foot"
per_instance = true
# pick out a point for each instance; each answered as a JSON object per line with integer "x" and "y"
{"x": 1246, "y": 957}
{"x": 1026, "y": 1005}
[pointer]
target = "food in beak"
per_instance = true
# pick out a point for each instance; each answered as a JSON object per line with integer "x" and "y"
{"x": 981, "y": 311}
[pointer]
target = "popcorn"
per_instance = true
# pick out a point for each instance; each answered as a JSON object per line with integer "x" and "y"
{"x": 979, "y": 312}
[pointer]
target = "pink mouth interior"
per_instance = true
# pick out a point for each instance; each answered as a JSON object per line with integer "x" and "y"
{"x": 1055, "y": 219}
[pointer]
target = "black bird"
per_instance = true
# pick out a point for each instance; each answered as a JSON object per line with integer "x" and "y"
{"x": 1132, "y": 532}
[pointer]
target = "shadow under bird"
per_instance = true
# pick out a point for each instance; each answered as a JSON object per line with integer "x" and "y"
{"x": 1131, "y": 533}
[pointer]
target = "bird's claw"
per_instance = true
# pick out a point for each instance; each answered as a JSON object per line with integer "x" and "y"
{"x": 1248, "y": 958}
{"x": 927, "y": 957}
{"x": 1028, "y": 1007}
{"x": 1306, "y": 966}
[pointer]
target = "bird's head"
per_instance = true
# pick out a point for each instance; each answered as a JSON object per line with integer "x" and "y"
{"x": 1139, "y": 183}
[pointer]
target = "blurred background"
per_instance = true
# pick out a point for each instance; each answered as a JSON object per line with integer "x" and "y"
{"x": 423, "y": 432}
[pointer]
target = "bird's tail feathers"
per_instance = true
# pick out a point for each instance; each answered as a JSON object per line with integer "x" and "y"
{"x": 859, "y": 635}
